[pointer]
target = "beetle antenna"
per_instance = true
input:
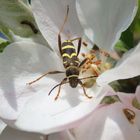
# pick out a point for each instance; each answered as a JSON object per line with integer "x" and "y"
{"x": 54, "y": 88}
{"x": 66, "y": 17}
{"x": 57, "y": 86}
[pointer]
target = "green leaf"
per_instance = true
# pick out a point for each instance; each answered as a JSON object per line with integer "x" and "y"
{"x": 126, "y": 85}
{"x": 3, "y": 44}
{"x": 131, "y": 36}
{"x": 121, "y": 46}
{"x": 12, "y": 13}
{"x": 136, "y": 103}
{"x": 2, "y": 40}
{"x": 136, "y": 26}
{"x": 110, "y": 99}
{"x": 127, "y": 39}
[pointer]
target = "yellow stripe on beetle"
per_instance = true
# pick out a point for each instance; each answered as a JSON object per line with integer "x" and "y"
{"x": 67, "y": 41}
{"x": 71, "y": 67}
{"x": 72, "y": 76}
{"x": 68, "y": 47}
{"x": 65, "y": 62}
{"x": 69, "y": 56}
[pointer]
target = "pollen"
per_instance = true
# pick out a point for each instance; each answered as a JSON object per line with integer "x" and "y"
{"x": 83, "y": 54}
{"x": 96, "y": 63}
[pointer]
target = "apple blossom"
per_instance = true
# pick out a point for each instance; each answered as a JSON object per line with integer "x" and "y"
{"x": 30, "y": 108}
{"x": 103, "y": 22}
{"x": 120, "y": 120}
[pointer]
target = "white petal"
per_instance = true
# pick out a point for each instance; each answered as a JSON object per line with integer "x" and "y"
{"x": 137, "y": 119}
{"x": 43, "y": 114}
{"x": 20, "y": 63}
{"x": 137, "y": 94}
{"x": 23, "y": 62}
{"x": 2, "y": 126}
{"x": 13, "y": 134}
{"x": 127, "y": 68}
{"x": 125, "y": 98}
{"x": 107, "y": 123}
{"x": 104, "y": 21}
{"x": 50, "y": 15}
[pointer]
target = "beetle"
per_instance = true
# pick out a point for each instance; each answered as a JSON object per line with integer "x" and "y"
{"x": 71, "y": 63}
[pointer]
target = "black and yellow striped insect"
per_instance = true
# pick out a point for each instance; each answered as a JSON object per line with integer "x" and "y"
{"x": 71, "y": 63}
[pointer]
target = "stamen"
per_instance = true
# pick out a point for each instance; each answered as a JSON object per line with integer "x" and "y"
{"x": 130, "y": 115}
{"x": 96, "y": 63}
{"x": 83, "y": 54}
{"x": 87, "y": 67}
{"x": 85, "y": 44}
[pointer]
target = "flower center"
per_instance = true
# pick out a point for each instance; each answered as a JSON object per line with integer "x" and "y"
{"x": 97, "y": 61}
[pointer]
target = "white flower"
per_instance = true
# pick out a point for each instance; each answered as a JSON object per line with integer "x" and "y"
{"x": 120, "y": 120}
{"x": 29, "y": 107}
